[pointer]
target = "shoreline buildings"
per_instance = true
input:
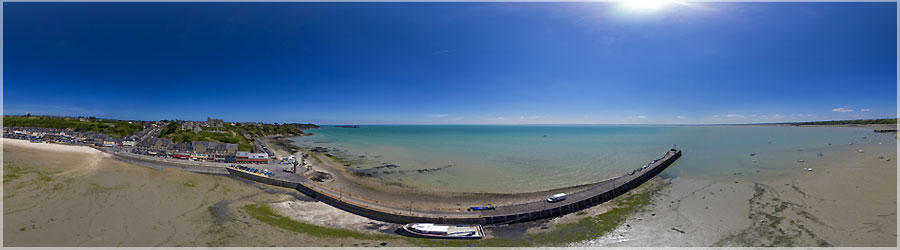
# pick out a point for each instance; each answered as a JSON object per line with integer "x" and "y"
{"x": 198, "y": 151}
{"x": 146, "y": 142}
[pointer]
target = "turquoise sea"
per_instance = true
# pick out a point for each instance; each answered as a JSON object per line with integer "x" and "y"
{"x": 518, "y": 158}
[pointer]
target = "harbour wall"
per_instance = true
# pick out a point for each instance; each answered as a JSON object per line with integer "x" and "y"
{"x": 589, "y": 197}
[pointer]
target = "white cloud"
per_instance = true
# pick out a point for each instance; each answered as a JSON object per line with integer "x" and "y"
{"x": 681, "y": 117}
{"x": 499, "y": 118}
{"x": 865, "y": 110}
{"x": 529, "y": 117}
{"x": 753, "y": 116}
{"x": 438, "y": 115}
{"x": 842, "y": 109}
{"x": 637, "y": 117}
{"x": 735, "y": 116}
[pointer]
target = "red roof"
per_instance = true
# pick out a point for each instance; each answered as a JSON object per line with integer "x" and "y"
{"x": 252, "y": 160}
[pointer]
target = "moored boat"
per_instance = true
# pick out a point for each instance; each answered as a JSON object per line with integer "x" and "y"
{"x": 445, "y": 231}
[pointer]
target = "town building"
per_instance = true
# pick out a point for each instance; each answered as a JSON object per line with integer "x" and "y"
{"x": 255, "y": 158}
{"x": 109, "y": 142}
{"x": 129, "y": 142}
{"x": 160, "y": 146}
{"x": 182, "y": 150}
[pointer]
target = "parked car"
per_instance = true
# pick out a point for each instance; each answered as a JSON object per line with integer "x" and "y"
{"x": 557, "y": 197}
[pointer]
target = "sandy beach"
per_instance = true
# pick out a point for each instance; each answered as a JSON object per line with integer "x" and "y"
{"x": 82, "y": 198}
{"x": 130, "y": 205}
{"x": 849, "y": 201}
{"x": 51, "y": 147}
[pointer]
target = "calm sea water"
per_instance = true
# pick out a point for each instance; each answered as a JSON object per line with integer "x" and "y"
{"x": 517, "y": 158}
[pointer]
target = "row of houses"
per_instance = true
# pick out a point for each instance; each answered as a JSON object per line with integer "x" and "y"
{"x": 67, "y": 136}
{"x": 199, "y": 151}
{"x": 196, "y": 126}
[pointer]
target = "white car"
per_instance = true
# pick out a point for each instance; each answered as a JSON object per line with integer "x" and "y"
{"x": 557, "y": 197}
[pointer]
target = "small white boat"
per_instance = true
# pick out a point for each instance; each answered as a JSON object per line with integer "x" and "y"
{"x": 801, "y": 160}
{"x": 860, "y": 151}
{"x": 445, "y": 231}
{"x": 807, "y": 169}
{"x": 754, "y": 160}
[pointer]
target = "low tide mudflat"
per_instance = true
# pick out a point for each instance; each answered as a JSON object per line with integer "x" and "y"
{"x": 849, "y": 199}
{"x": 84, "y": 198}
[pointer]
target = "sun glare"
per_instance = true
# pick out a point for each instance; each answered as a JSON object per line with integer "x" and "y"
{"x": 644, "y": 5}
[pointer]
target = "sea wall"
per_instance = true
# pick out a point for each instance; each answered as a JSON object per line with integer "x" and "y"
{"x": 596, "y": 194}
{"x": 591, "y": 197}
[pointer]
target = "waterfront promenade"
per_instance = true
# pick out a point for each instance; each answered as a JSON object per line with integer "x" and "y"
{"x": 404, "y": 213}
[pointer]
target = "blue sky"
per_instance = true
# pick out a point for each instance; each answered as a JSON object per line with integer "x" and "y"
{"x": 449, "y": 63}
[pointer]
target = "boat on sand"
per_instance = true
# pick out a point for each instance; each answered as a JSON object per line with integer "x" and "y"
{"x": 445, "y": 231}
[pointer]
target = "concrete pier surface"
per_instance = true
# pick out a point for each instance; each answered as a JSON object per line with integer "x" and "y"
{"x": 592, "y": 195}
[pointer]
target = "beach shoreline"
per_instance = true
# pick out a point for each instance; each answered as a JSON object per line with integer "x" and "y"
{"x": 147, "y": 162}
{"x": 371, "y": 188}
{"x": 392, "y": 192}
{"x": 846, "y": 202}
{"x": 101, "y": 202}
{"x": 796, "y": 207}
{"x": 227, "y": 216}
{"x": 808, "y": 208}
{"x": 54, "y": 147}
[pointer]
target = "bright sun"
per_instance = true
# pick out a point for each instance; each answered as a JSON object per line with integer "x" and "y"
{"x": 644, "y": 5}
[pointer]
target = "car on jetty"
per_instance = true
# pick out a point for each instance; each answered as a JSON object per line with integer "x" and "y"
{"x": 445, "y": 231}
{"x": 489, "y": 207}
{"x": 557, "y": 197}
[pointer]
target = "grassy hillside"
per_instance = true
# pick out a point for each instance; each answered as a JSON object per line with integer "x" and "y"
{"x": 237, "y": 133}
{"x": 114, "y": 128}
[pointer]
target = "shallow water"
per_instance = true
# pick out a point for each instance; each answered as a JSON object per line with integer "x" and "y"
{"x": 516, "y": 158}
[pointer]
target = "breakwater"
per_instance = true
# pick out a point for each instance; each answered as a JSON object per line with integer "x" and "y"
{"x": 592, "y": 195}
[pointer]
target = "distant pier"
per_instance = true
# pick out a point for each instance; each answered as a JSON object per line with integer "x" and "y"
{"x": 595, "y": 194}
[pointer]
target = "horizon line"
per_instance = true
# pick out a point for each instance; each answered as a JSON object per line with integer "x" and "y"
{"x": 496, "y": 124}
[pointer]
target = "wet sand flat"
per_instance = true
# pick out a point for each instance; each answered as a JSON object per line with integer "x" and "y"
{"x": 78, "y": 196}
{"x": 86, "y": 198}
{"x": 849, "y": 200}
